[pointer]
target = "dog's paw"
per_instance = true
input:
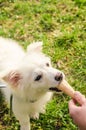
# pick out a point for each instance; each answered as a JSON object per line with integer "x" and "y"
{"x": 35, "y": 115}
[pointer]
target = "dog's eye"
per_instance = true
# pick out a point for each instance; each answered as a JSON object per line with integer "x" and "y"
{"x": 38, "y": 77}
{"x": 47, "y": 64}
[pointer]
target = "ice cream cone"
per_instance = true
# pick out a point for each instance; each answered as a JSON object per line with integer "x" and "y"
{"x": 66, "y": 88}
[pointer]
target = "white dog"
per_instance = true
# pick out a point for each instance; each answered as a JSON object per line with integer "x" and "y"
{"x": 29, "y": 78}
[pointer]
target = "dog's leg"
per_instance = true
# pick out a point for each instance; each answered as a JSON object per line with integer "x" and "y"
{"x": 24, "y": 120}
{"x": 24, "y": 125}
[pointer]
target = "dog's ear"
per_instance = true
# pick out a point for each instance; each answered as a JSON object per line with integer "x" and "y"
{"x": 35, "y": 47}
{"x": 12, "y": 78}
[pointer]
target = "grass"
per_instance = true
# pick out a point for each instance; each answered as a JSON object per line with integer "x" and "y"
{"x": 61, "y": 25}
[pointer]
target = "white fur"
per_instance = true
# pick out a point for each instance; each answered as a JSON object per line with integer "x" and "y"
{"x": 19, "y": 69}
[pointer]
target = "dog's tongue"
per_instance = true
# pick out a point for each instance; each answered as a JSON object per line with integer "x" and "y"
{"x": 66, "y": 88}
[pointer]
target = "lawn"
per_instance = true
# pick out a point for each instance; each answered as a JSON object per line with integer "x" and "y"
{"x": 61, "y": 25}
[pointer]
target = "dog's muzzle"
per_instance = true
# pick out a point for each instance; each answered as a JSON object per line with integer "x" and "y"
{"x": 58, "y": 78}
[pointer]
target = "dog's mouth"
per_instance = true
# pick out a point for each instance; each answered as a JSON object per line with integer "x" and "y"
{"x": 54, "y": 89}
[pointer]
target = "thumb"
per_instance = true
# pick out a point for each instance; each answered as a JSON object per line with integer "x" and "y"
{"x": 79, "y": 98}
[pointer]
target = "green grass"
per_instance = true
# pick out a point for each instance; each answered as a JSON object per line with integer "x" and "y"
{"x": 61, "y": 25}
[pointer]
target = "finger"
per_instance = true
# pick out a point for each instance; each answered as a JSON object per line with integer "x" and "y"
{"x": 79, "y": 98}
{"x": 72, "y": 104}
{"x": 72, "y": 107}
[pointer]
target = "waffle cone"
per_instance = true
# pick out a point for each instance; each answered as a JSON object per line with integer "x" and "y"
{"x": 66, "y": 88}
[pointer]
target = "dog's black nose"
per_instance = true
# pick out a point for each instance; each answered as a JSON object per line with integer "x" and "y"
{"x": 59, "y": 77}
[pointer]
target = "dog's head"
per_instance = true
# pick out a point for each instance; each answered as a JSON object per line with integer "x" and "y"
{"x": 35, "y": 72}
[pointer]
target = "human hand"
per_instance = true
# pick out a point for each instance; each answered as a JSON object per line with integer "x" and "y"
{"x": 78, "y": 113}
